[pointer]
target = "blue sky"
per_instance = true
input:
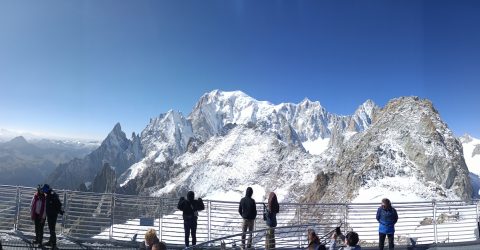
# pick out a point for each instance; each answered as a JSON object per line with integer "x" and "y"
{"x": 78, "y": 67}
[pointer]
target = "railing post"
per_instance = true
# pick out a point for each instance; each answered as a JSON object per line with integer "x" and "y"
{"x": 209, "y": 207}
{"x": 17, "y": 215}
{"x": 112, "y": 209}
{"x": 345, "y": 218}
{"x": 299, "y": 211}
{"x": 160, "y": 221}
{"x": 478, "y": 220}
{"x": 62, "y": 229}
{"x": 435, "y": 221}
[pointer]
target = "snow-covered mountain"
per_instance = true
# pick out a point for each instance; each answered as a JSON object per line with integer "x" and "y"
{"x": 232, "y": 141}
{"x": 307, "y": 126}
{"x": 471, "y": 152}
{"x": 301, "y": 151}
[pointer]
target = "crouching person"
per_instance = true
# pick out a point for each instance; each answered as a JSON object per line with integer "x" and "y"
{"x": 351, "y": 242}
{"x": 152, "y": 242}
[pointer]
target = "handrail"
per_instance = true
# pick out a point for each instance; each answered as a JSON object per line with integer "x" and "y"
{"x": 107, "y": 216}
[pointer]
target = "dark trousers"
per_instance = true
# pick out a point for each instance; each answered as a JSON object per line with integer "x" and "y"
{"x": 381, "y": 242}
{"x": 52, "y": 222}
{"x": 39, "y": 224}
{"x": 190, "y": 226}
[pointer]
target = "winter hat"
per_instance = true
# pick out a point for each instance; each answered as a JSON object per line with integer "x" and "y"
{"x": 46, "y": 188}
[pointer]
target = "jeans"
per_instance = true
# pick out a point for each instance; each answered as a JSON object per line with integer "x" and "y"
{"x": 247, "y": 224}
{"x": 39, "y": 224}
{"x": 190, "y": 225}
{"x": 52, "y": 222}
{"x": 381, "y": 242}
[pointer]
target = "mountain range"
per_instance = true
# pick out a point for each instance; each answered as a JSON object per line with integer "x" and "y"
{"x": 28, "y": 163}
{"x": 301, "y": 151}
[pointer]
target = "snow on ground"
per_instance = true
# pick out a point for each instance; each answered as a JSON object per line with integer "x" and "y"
{"x": 317, "y": 146}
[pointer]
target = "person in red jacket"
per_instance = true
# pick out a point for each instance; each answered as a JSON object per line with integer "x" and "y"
{"x": 38, "y": 213}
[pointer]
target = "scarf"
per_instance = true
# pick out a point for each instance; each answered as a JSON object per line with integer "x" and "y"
{"x": 34, "y": 215}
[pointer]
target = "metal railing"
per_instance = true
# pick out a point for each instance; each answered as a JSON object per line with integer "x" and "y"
{"x": 285, "y": 237}
{"x": 115, "y": 217}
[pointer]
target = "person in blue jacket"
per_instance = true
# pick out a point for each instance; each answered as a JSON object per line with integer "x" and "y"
{"x": 386, "y": 217}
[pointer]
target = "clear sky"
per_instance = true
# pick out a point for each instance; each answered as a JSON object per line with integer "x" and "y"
{"x": 78, "y": 67}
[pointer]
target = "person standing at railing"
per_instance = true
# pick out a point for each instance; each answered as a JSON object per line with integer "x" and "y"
{"x": 387, "y": 217}
{"x": 190, "y": 208}
{"x": 54, "y": 207}
{"x": 38, "y": 214}
{"x": 270, "y": 217}
{"x": 248, "y": 210}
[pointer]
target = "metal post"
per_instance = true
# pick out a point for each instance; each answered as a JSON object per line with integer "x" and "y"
{"x": 435, "y": 221}
{"x": 299, "y": 210}
{"x": 478, "y": 221}
{"x": 209, "y": 207}
{"x": 17, "y": 216}
{"x": 112, "y": 209}
{"x": 160, "y": 222}
{"x": 62, "y": 229}
{"x": 345, "y": 219}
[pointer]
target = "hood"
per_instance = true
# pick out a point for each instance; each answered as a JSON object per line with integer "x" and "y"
{"x": 249, "y": 192}
{"x": 190, "y": 195}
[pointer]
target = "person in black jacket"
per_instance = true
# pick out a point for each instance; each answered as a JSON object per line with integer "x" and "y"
{"x": 248, "y": 210}
{"x": 190, "y": 208}
{"x": 54, "y": 207}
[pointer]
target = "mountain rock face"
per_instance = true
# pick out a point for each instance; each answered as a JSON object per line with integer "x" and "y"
{"x": 476, "y": 150}
{"x": 406, "y": 149}
{"x": 105, "y": 181}
{"x": 116, "y": 149}
{"x": 28, "y": 163}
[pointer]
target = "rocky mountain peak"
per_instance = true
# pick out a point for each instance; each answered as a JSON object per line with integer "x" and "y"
{"x": 408, "y": 143}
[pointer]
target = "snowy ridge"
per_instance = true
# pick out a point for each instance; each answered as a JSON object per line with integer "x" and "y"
{"x": 472, "y": 157}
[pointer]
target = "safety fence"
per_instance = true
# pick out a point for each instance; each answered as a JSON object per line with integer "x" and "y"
{"x": 116, "y": 217}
